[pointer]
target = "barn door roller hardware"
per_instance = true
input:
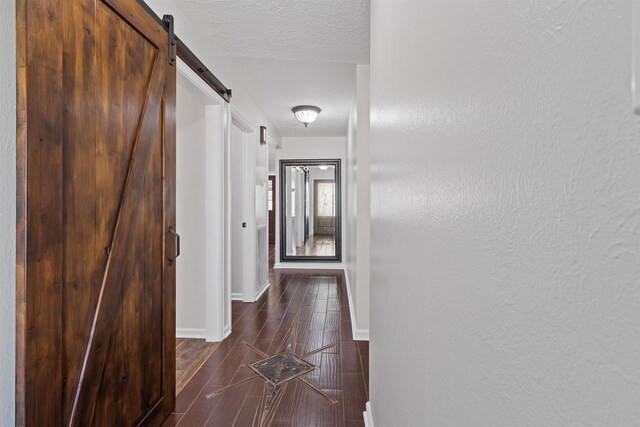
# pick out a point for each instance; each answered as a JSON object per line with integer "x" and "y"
{"x": 168, "y": 20}
{"x": 177, "y": 48}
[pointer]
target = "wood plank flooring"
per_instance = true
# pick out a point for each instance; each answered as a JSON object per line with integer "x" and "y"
{"x": 190, "y": 355}
{"x": 320, "y": 297}
{"x": 318, "y": 246}
{"x": 272, "y": 257}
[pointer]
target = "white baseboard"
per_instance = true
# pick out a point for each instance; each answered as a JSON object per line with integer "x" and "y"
{"x": 309, "y": 265}
{"x": 236, "y": 296}
{"x": 368, "y": 416}
{"x": 358, "y": 334}
{"x": 227, "y": 332}
{"x": 263, "y": 290}
{"x": 191, "y": 333}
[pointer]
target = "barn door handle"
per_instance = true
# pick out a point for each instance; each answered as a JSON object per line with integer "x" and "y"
{"x": 173, "y": 231}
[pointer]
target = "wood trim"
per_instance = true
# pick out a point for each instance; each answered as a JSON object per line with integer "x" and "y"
{"x": 337, "y": 164}
{"x": 21, "y": 208}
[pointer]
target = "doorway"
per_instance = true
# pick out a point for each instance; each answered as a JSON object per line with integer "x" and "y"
{"x": 200, "y": 136}
{"x": 243, "y": 228}
{"x": 324, "y": 211}
{"x": 271, "y": 202}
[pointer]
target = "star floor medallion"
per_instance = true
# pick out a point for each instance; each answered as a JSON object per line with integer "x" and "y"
{"x": 278, "y": 371}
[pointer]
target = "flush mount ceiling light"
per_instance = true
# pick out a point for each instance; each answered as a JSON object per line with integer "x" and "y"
{"x": 323, "y": 167}
{"x": 306, "y": 113}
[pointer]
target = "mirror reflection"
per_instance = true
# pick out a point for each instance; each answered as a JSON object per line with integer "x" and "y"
{"x": 310, "y": 211}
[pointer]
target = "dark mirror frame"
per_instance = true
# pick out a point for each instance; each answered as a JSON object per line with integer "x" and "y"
{"x": 283, "y": 200}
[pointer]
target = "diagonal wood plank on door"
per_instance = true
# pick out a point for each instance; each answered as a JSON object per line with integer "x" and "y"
{"x": 86, "y": 391}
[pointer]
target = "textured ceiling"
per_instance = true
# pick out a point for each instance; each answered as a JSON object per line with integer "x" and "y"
{"x": 290, "y": 52}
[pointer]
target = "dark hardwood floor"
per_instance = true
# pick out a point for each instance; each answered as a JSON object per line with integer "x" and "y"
{"x": 272, "y": 258}
{"x": 317, "y": 245}
{"x": 190, "y": 355}
{"x": 319, "y": 298}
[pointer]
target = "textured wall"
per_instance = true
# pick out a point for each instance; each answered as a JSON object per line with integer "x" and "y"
{"x": 363, "y": 211}
{"x": 505, "y": 214}
{"x": 7, "y": 212}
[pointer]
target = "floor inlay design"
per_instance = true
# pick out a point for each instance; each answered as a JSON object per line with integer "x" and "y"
{"x": 277, "y": 371}
{"x": 318, "y": 299}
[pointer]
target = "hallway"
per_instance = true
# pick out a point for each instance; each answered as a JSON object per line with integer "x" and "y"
{"x": 319, "y": 297}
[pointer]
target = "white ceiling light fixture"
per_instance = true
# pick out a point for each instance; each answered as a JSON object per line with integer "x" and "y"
{"x": 323, "y": 167}
{"x": 306, "y": 113}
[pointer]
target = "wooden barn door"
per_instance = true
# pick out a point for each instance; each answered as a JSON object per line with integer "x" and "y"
{"x": 96, "y": 196}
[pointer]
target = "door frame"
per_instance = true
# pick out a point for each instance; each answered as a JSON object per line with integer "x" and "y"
{"x": 217, "y": 297}
{"x": 273, "y": 211}
{"x": 249, "y": 268}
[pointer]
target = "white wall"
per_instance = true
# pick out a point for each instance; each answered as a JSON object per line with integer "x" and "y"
{"x": 7, "y": 213}
{"x": 309, "y": 148}
{"x": 357, "y": 257}
{"x": 505, "y": 240}
{"x": 190, "y": 205}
